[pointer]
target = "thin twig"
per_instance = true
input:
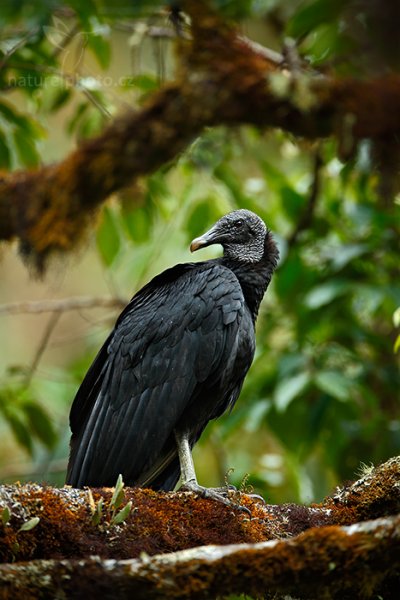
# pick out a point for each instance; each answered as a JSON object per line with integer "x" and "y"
{"x": 271, "y": 56}
{"x": 18, "y": 45}
{"x": 92, "y": 98}
{"x": 61, "y": 305}
{"x": 42, "y": 346}
{"x": 69, "y": 36}
{"x": 152, "y": 31}
{"x": 76, "y": 81}
{"x": 307, "y": 216}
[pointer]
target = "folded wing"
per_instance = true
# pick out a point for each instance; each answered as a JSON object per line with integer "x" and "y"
{"x": 168, "y": 362}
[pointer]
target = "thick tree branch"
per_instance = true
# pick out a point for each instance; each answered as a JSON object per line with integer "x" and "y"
{"x": 359, "y": 561}
{"x": 75, "y": 524}
{"x": 327, "y": 563}
{"x": 222, "y": 80}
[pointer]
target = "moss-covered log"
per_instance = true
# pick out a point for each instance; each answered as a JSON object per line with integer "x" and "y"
{"x": 55, "y": 529}
{"x": 359, "y": 561}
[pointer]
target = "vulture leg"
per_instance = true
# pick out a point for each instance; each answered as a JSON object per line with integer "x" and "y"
{"x": 189, "y": 479}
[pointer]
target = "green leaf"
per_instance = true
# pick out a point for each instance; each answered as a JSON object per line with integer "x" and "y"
{"x": 119, "y": 494}
{"x": 255, "y": 415}
{"x": 100, "y": 48}
{"x": 5, "y": 155}
{"x": 23, "y": 134}
{"x": 5, "y": 515}
{"x": 91, "y": 122}
{"x": 97, "y": 514}
{"x": 55, "y": 94}
{"x": 232, "y": 182}
{"x": 396, "y": 347}
{"x": 313, "y": 14}
{"x": 233, "y": 9}
{"x": 334, "y": 383}
{"x": 123, "y": 514}
{"x": 137, "y": 223}
{"x": 32, "y": 128}
{"x": 370, "y": 297}
{"x": 29, "y": 524}
{"x": 20, "y": 431}
{"x": 143, "y": 82}
{"x": 293, "y": 277}
{"x": 26, "y": 149}
{"x": 292, "y": 362}
{"x": 325, "y": 293}
{"x": 344, "y": 254}
{"x": 288, "y": 389}
{"x": 15, "y": 548}
{"x": 85, "y": 11}
{"x": 273, "y": 175}
{"x": 74, "y": 122}
{"x": 9, "y": 114}
{"x": 107, "y": 238}
{"x": 292, "y": 202}
{"x": 40, "y": 424}
{"x": 157, "y": 185}
{"x": 200, "y": 219}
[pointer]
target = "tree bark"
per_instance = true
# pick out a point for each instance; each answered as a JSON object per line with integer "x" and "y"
{"x": 359, "y": 561}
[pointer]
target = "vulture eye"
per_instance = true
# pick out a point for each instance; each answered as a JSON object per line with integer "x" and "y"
{"x": 238, "y": 223}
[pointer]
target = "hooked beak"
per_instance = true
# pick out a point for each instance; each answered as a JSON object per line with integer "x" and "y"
{"x": 208, "y": 238}
{"x": 197, "y": 243}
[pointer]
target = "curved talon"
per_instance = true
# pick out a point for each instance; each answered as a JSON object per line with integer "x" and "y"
{"x": 242, "y": 508}
{"x": 256, "y": 497}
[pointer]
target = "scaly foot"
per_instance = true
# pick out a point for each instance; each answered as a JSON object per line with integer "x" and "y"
{"x": 219, "y": 494}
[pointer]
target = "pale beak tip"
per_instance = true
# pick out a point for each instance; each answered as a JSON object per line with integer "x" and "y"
{"x": 196, "y": 244}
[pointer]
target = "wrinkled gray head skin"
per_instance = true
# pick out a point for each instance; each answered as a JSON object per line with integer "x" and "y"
{"x": 241, "y": 233}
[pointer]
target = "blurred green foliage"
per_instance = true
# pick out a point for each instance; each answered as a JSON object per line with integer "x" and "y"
{"x": 323, "y": 393}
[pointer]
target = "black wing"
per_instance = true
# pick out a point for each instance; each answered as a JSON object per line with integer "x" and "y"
{"x": 169, "y": 359}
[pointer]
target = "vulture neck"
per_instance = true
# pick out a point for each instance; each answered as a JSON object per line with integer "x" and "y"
{"x": 254, "y": 277}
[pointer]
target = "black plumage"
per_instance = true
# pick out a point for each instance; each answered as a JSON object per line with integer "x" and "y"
{"x": 176, "y": 359}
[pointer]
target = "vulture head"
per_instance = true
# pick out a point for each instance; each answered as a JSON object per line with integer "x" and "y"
{"x": 241, "y": 233}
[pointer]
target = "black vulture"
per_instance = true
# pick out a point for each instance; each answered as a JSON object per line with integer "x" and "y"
{"x": 176, "y": 358}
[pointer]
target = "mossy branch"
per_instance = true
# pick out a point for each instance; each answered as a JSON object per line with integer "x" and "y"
{"x": 346, "y": 547}
{"x": 222, "y": 80}
{"x": 360, "y": 561}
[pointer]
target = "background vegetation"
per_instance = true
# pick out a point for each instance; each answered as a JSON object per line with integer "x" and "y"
{"x": 323, "y": 393}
